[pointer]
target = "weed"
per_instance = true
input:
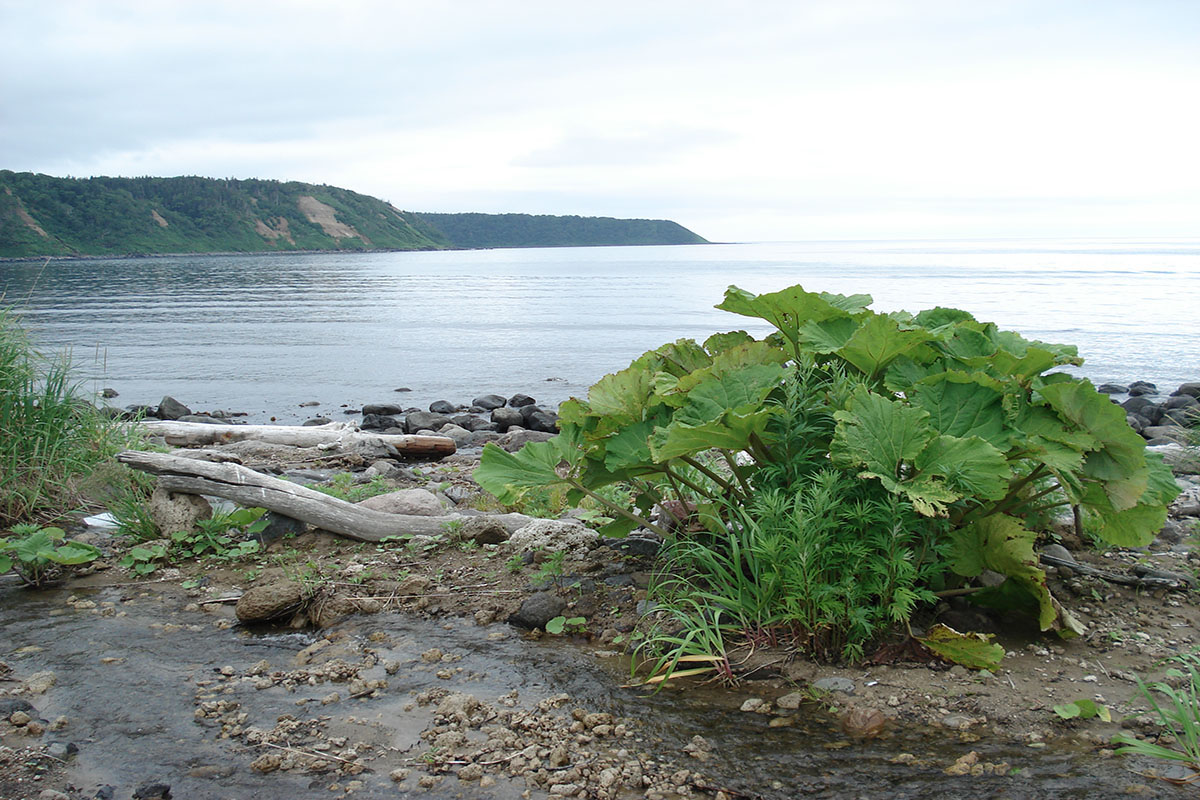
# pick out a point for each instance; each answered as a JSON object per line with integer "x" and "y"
{"x": 37, "y": 554}
{"x": 552, "y": 569}
{"x": 344, "y": 487}
{"x": 515, "y": 563}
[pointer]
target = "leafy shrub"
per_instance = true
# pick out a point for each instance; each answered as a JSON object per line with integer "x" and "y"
{"x": 36, "y": 553}
{"x": 50, "y": 439}
{"x": 961, "y": 423}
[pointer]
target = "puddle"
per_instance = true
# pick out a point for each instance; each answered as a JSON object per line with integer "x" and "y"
{"x": 130, "y": 672}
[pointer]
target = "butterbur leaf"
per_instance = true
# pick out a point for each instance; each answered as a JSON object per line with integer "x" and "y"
{"x": 618, "y": 528}
{"x": 723, "y": 341}
{"x": 75, "y": 553}
{"x": 971, "y": 650}
{"x": 5, "y": 564}
{"x": 792, "y": 308}
{"x": 1083, "y": 709}
{"x": 879, "y": 341}
{"x": 556, "y": 625}
{"x": 879, "y": 434}
{"x": 828, "y": 336}
{"x": 506, "y": 475}
{"x": 960, "y": 404}
{"x": 970, "y": 466}
{"x": 1002, "y": 544}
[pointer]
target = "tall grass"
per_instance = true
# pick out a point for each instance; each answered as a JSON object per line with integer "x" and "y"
{"x": 51, "y": 440}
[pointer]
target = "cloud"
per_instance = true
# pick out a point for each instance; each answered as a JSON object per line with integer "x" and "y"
{"x": 650, "y": 147}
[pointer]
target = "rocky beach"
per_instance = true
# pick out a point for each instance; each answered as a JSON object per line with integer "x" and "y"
{"x": 398, "y": 676}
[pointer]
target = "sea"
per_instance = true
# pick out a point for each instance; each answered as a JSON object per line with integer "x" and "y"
{"x": 271, "y": 335}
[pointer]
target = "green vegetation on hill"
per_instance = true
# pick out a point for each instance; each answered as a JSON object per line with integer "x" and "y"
{"x": 526, "y": 230}
{"x": 41, "y": 215}
{"x": 45, "y": 216}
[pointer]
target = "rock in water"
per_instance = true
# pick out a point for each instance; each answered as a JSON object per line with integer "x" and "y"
{"x": 270, "y": 601}
{"x": 537, "y": 610}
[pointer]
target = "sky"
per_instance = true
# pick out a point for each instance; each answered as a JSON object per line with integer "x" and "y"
{"x": 744, "y": 121}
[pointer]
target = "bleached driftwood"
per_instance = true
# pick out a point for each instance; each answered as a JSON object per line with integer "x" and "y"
{"x": 198, "y": 434}
{"x": 254, "y": 489}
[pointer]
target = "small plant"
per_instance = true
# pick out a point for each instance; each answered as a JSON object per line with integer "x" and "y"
{"x": 1083, "y": 709}
{"x": 214, "y": 536}
{"x": 560, "y": 624}
{"x": 552, "y": 569}
{"x": 36, "y": 554}
{"x": 130, "y": 507}
{"x": 344, "y": 487}
{"x": 1178, "y": 710}
{"x": 468, "y": 545}
{"x": 515, "y": 563}
{"x": 144, "y": 559}
{"x": 452, "y": 527}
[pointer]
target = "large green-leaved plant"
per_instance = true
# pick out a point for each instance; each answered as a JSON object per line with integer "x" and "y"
{"x": 962, "y": 420}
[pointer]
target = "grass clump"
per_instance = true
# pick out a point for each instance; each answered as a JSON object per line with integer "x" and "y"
{"x": 1177, "y": 708}
{"x": 51, "y": 439}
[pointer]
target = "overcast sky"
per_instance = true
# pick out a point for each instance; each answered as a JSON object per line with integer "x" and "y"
{"x": 744, "y": 121}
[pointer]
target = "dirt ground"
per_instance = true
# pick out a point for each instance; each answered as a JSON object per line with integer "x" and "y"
{"x": 1131, "y": 631}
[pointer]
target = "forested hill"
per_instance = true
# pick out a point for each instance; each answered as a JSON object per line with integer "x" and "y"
{"x": 525, "y": 230}
{"x": 46, "y": 216}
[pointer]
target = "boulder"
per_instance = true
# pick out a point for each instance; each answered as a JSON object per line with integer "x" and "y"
{"x": 314, "y": 421}
{"x": 1192, "y": 389}
{"x": 471, "y": 422}
{"x": 424, "y": 421}
{"x": 442, "y": 407}
{"x": 489, "y": 402}
{"x": 379, "y": 422}
{"x": 1112, "y": 388}
{"x": 553, "y": 535}
{"x": 518, "y": 400}
{"x": 170, "y": 408}
{"x": 1139, "y": 388}
{"x": 382, "y": 409}
{"x": 483, "y": 530}
{"x": 544, "y": 421}
{"x": 1171, "y": 433}
{"x": 1185, "y": 417}
{"x": 537, "y": 610}
{"x": 413, "y": 502}
{"x": 1145, "y": 408}
{"x": 461, "y": 436}
{"x": 172, "y": 511}
{"x": 270, "y": 601}
{"x": 517, "y": 438}
{"x": 1136, "y": 422}
{"x": 205, "y": 419}
{"x": 505, "y": 418}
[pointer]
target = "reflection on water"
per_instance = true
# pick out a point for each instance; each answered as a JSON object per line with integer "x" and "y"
{"x": 265, "y": 333}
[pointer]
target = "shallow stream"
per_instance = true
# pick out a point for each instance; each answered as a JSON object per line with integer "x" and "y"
{"x": 129, "y": 670}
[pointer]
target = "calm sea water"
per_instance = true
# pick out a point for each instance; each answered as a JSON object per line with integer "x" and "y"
{"x": 263, "y": 334}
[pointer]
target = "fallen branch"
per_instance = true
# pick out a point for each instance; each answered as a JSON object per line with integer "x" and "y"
{"x": 254, "y": 489}
{"x": 195, "y": 434}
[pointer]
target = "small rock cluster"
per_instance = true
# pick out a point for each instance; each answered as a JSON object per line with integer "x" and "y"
{"x": 577, "y": 754}
{"x": 483, "y": 420}
{"x": 1160, "y": 422}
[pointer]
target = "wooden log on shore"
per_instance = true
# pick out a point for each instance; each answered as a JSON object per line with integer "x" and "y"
{"x": 254, "y": 489}
{"x": 199, "y": 434}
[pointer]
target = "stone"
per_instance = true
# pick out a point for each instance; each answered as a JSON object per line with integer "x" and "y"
{"x": 379, "y": 422}
{"x": 537, "y": 610}
{"x": 205, "y": 419}
{"x": 108, "y": 393}
{"x": 170, "y": 408}
{"x": 863, "y": 722}
{"x": 791, "y": 701}
{"x": 1171, "y": 433}
{"x": 483, "y": 530}
{"x": 424, "y": 421}
{"x": 518, "y": 400}
{"x": 517, "y": 438}
{"x": 152, "y": 791}
{"x": 1191, "y": 388}
{"x": 39, "y": 682}
{"x": 461, "y": 436}
{"x": 471, "y": 422}
{"x": 270, "y": 601}
{"x": 505, "y": 418}
{"x": 1181, "y": 401}
{"x": 1187, "y": 416}
{"x": 552, "y": 535}
{"x": 412, "y": 502}
{"x": 1139, "y": 388}
{"x": 489, "y": 402}
{"x": 20, "y": 718}
{"x": 1112, "y": 388}
{"x": 382, "y": 409}
{"x": 442, "y": 407}
{"x": 1149, "y": 409}
{"x": 175, "y": 511}
{"x": 386, "y": 468}
{"x": 314, "y": 421}
{"x": 542, "y": 420}
{"x": 11, "y": 705}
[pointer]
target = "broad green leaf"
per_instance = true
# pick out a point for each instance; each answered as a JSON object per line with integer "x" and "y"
{"x": 74, "y": 553}
{"x": 1001, "y": 543}
{"x": 790, "y": 309}
{"x": 682, "y": 356}
{"x": 971, "y": 650}
{"x": 624, "y": 395}
{"x": 754, "y": 361}
{"x": 1121, "y": 451}
{"x": 1131, "y": 527}
{"x": 618, "y": 528}
{"x": 5, "y": 564}
{"x": 969, "y": 346}
{"x": 930, "y": 496}
{"x": 628, "y": 447}
{"x": 963, "y": 405}
{"x": 556, "y": 625}
{"x": 879, "y": 434}
{"x": 1083, "y": 709}
{"x": 829, "y": 335}
{"x": 938, "y": 317}
{"x": 970, "y": 466}
{"x": 506, "y": 475}
{"x": 741, "y": 388}
{"x": 731, "y": 431}
{"x": 878, "y": 341}
{"x": 723, "y": 341}
{"x": 904, "y": 373}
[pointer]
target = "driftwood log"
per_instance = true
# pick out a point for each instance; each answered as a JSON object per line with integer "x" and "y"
{"x": 198, "y": 434}
{"x": 254, "y": 489}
